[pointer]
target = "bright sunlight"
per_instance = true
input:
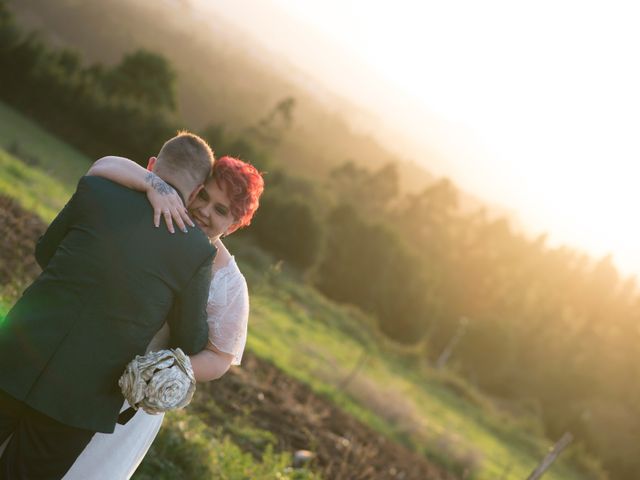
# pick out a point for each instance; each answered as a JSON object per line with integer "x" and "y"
{"x": 545, "y": 92}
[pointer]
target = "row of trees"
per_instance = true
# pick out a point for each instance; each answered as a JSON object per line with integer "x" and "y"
{"x": 548, "y": 326}
{"x": 95, "y": 106}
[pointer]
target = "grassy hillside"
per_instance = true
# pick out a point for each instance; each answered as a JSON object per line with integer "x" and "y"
{"x": 437, "y": 414}
{"x": 34, "y": 189}
{"x": 328, "y": 347}
{"x": 36, "y": 168}
{"x": 23, "y": 138}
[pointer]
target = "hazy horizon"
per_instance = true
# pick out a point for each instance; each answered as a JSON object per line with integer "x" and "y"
{"x": 533, "y": 109}
{"x": 527, "y": 121}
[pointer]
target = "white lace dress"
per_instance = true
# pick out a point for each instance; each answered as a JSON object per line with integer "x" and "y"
{"x": 116, "y": 455}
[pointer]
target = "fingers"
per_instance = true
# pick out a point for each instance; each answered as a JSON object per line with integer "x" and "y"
{"x": 156, "y": 217}
{"x": 186, "y": 217}
{"x": 176, "y": 213}
{"x": 168, "y": 220}
{"x": 171, "y": 208}
{"x": 179, "y": 216}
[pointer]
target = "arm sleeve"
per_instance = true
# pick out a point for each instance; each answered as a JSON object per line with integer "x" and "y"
{"x": 49, "y": 241}
{"x": 188, "y": 317}
{"x": 229, "y": 316}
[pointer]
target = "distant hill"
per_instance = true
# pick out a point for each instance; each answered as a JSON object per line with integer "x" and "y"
{"x": 224, "y": 76}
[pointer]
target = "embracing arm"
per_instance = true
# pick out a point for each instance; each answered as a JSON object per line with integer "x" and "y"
{"x": 121, "y": 170}
{"x": 210, "y": 363}
{"x": 228, "y": 313}
{"x": 185, "y": 321}
{"x": 162, "y": 196}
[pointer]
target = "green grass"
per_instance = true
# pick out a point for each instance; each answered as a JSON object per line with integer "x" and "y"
{"x": 188, "y": 448}
{"x": 54, "y": 157}
{"x": 318, "y": 343}
{"x": 32, "y": 188}
{"x": 4, "y": 307}
{"x": 36, "y": 168}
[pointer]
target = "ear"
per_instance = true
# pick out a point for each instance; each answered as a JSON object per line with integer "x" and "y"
{"x": 194, "y": 194}
{"x": 151, "y": 164}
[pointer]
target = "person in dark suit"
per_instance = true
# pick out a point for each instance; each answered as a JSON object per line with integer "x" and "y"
{"x": 110, "y": 280}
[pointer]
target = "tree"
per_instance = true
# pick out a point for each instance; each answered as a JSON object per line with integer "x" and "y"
{"x": 367, "y": 264}
{"x": 371, "y": 193}
{"x": 144, "y": 77}
{"x": 270, "y": 129}
{"x": 9, "y": 33}
{"x": 288, "y": 226}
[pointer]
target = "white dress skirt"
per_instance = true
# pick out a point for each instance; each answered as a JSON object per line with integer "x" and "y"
{"x": 117, "y": 455}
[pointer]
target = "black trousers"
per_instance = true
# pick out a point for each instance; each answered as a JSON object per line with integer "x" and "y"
{"x": 40, "y": 448}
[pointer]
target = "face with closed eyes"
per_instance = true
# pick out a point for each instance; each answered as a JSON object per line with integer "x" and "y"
{"x": 211, "y": 211}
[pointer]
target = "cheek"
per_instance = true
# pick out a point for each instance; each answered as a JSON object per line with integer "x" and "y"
{"x": 217, "y": 227}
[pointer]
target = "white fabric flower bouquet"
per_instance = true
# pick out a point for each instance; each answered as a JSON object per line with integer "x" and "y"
{"x": 158, "y": 381}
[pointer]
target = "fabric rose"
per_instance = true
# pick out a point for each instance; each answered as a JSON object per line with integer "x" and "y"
{"x": 158, "y": 381}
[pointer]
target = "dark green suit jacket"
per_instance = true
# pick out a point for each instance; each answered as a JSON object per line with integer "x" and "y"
{"x": 110, "y": 280}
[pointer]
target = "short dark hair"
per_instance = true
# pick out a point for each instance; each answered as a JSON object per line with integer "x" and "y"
{"x": 186, "y": 155}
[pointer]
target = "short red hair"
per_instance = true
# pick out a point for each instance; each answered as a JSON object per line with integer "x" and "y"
{"x": 243, "y": 184}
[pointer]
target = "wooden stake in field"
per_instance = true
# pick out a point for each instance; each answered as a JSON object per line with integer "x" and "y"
{"x": 551, "y": 456}
{"x": 446, "y": 353}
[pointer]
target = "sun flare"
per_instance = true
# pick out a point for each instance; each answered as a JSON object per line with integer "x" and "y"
{"x": 545, "y": 93}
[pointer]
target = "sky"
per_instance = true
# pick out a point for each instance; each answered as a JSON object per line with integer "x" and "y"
{"x": 536, "y": 103}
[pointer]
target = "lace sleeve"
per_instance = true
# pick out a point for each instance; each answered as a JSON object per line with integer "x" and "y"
{"x": 228, "y": 311}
